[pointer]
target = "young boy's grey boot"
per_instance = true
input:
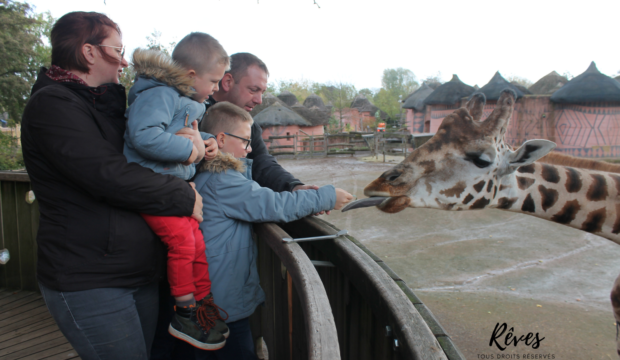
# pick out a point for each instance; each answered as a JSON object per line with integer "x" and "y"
{"x": 192, "y": 326}
{"x": 213, "y": 311}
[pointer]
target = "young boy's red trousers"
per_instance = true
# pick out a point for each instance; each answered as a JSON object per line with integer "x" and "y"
{"x": 188, "y": 270}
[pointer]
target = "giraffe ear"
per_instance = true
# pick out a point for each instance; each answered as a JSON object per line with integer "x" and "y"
{"x": 529, "y": 152}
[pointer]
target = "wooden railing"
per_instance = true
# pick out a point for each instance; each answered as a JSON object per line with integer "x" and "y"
{"x": 20, "y": 220}
{"x": 329, "y": 299}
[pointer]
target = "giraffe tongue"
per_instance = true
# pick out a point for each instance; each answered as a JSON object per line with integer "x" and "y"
{"x": 362, "y": 203}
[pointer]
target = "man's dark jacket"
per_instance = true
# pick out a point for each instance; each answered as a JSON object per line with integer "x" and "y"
{"x": 90, "y": 232}
{"x": 265, "y": 169}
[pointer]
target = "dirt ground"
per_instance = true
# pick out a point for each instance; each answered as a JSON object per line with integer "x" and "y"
{"x": 478, "y": 269}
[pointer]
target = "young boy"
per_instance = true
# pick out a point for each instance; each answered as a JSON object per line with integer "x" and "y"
{"x": 162, "y": 134}
{"x": 234, "y": 201}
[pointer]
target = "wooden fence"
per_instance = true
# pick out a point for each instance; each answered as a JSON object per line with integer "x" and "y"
{"x": 328, "y": 299}
{"x": 378, "y": 143}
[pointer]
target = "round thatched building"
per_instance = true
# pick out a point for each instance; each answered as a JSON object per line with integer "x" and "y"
{"x": 414, "y": 103}
{"x": 591, "y": 86}
{"x": 548, "y": 84}
{"x": 288, "y": 98}
{"x": 495, "y": 86}
{"x": 443, "y": 101}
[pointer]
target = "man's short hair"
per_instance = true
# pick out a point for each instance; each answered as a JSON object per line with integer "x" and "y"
{"x": 200, "y": 52}
{"x": 224, "y": 117}
{"x": 240, "y": 62}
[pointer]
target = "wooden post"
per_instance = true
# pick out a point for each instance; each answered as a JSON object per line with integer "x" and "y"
{"x": 384, "y": 142}
{"x": 311, "y": 146}
{"x": 325, "y": 143}
{"x": 295, "y": 146}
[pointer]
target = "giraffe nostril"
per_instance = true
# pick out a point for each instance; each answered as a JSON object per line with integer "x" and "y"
{"x": 393, "y": 177}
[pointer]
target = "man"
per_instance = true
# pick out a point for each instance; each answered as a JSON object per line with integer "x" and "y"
{"x": 244, "y": 85}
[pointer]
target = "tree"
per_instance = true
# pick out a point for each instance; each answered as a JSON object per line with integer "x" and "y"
{"x": 397, "y": 84}
{"x": 433, "y": 80}
{"x": 340, "y": 95}
{"x": 520, "y": 80}
{"x": 400, "y": 81}
{"x": 154, "y": 43}
{"x": 23, "y": 53}
{"x": 300, "y": 88}
{"x": 368, "y": 93}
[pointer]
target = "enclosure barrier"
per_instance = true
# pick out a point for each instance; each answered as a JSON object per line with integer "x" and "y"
{"x": 378, "y": 143}
{"x": 329, "y": 299}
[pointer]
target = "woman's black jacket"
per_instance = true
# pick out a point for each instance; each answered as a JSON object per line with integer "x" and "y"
{"x": 90, "y": 232}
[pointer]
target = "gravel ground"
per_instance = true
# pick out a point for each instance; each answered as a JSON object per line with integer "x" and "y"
{"x": 477, "y": 269}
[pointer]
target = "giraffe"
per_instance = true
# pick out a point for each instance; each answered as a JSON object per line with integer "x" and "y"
{"x": 467, "y": 165}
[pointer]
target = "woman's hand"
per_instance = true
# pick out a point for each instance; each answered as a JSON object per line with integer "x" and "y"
{"x": 198, "y": 151}
{"x": 197, "y": 214}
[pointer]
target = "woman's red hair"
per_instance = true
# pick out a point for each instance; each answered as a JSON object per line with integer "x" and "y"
{"x": 75, "y": 29}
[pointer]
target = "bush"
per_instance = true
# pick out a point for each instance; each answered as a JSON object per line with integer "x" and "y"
{"x": 11, "y": 157}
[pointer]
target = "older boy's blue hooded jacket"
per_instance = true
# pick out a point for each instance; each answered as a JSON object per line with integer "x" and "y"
{"x": 160, "y": 106}
{"x": 232, "y": 201}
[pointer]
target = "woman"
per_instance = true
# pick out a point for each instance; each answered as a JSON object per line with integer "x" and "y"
{"x": 98, "y": 261}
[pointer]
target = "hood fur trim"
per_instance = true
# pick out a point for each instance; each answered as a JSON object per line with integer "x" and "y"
{"x": 221, "y": 163}
{"x": 159, "y": 66}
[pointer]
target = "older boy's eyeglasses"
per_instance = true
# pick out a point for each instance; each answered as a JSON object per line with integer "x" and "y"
{"x": 248, "y": 141}
{"x": 119, "y": 49}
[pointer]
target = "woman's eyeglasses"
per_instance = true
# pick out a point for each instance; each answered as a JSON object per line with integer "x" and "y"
{"x": 248, "y": 141}
{"x": 119, "y": 49}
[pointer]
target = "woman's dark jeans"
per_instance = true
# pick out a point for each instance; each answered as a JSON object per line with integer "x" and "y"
{"x": 106, "y": 323}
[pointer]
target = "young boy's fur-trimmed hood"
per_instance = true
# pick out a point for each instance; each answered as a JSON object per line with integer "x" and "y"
{"x": 221, "y": 163}
{"x": 159, "y": 66}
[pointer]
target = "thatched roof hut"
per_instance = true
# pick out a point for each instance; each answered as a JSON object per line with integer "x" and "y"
{"x": 548, "y": 84}
{"x": 362, "y": 104}
{"x": 288, "y": 98}
{"x": 416, "y": 99}
{"x": 493, "y": 89}
{"x": 268, "y": 100}
{"x": 314, "y": 100}
{"x": 591, "y": 86}
{"x": 280, "y": 115}
{"x": 315, "y": 115}
{"x": 522, "y": 88}
{"x": 449, "y": 93}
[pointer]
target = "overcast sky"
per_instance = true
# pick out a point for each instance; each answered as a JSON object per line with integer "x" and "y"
{"x": 353, "y": 41}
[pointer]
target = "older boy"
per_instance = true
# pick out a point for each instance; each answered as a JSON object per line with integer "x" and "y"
{"x": 234, "y": 201}
{"x": 166, "y": 99}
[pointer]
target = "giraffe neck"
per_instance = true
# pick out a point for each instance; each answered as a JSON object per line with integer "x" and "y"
{"x": 584, "y": 199}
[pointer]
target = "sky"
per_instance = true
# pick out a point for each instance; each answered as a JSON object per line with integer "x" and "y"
{"x": 353, "y": 41}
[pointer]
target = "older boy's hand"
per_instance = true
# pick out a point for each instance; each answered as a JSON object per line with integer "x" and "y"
{"x": 342, "y": 198}
{"x": 311, "y": 187}
{"x": 210, "y": 149}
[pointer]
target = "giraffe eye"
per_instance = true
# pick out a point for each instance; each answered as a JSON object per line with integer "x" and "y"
{"x": 480, "y": 160}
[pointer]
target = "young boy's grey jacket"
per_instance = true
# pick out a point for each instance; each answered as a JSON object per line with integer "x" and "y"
{"x": 160, "y": 106}
{"x": 232, "y": 201}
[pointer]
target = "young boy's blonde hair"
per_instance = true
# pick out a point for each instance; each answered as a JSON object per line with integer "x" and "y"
{"x": 224, "y": 117}
{"x": 200, "y": 52}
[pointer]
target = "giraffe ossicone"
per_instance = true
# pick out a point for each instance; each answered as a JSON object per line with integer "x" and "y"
{"x": 467, "y": 165}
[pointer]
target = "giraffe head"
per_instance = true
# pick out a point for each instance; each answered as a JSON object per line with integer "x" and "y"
{"x": 459, "y": 168}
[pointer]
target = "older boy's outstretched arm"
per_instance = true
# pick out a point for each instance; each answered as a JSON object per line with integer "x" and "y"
{"x": 243, "y": 199}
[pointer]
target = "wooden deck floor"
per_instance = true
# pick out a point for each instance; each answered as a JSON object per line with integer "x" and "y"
{"x": 27, "y": 330}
